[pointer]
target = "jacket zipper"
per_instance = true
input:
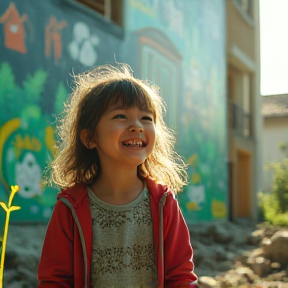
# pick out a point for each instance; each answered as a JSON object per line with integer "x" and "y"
{"x": 161, "y": 240}
{"x": 82, "y": 239}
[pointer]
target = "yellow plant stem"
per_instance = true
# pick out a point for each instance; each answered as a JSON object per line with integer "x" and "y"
{"x": 8, "y": 210}
{"x": 4, "y": 248}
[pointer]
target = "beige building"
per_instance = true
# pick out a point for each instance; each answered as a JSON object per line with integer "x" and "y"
{"x": 275, "y": 131}
{"x": 244, "y": 107}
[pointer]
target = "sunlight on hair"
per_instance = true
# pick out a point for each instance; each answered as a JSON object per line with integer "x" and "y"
{"x": 94, "y": 92}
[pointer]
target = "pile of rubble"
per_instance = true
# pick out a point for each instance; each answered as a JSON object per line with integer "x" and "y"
{"x": 240, "y": 255}
{"x": 24, "y": 245}
{"x": 226, "y": 254}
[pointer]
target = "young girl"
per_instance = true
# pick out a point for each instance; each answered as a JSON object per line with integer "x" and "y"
{"x": 115, "y": 223}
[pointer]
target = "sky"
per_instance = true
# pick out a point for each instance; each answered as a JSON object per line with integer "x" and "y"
{"x": 274, "y": 46}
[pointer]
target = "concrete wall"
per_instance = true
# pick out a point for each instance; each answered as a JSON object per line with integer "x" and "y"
{"x": 242, "y": 31}
{"x": 275, "y": 131}
{"x": 243, "y": 59}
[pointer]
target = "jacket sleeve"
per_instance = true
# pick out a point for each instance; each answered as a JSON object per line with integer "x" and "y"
{"x": 178, "y": 252}
{"x": 56, "y": 263}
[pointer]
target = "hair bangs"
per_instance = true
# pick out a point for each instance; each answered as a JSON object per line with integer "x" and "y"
{"x": 127, "y": 93}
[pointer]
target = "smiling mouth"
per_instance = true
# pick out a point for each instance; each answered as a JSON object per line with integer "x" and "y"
{"x": 134, "y": 143}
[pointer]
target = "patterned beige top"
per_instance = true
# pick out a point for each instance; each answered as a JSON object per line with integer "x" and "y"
{"x": 123, "y": 247}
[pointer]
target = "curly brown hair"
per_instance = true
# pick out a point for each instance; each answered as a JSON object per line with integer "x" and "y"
{"x": 95, "y": 91}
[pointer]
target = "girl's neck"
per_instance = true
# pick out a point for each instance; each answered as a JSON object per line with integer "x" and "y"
{"x": 118, "y": 188}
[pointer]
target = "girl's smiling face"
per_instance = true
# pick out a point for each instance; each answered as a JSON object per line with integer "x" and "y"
{"x": 124, "y": 136}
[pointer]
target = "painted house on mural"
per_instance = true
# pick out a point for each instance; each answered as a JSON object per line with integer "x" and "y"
{"x": 180, "y": 45}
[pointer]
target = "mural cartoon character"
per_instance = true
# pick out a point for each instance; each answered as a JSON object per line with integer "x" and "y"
{"x": 28, "y": 176}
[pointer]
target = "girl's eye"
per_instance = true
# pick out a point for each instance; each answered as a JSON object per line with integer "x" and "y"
{"x": 147, "y": 118}
{"x": 120, "y": 116}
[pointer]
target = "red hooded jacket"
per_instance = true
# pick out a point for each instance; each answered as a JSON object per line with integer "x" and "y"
{"x": 67, "y": 251}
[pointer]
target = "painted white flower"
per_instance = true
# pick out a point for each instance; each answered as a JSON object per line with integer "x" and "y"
{"x": 28, "y": 176}
{"x": 82, "y": 46}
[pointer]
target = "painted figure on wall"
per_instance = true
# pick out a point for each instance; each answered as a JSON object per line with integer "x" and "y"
{"x": 53, "y": 41}
{"x": 14, "y": 30}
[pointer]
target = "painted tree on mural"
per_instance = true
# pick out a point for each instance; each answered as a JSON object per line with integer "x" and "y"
{"x": 27, "y": 97}
{"x": 60, "y": 98}
{"x": 8, "y": 91}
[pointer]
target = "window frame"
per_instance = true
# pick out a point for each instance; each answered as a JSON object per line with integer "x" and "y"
{"x": 109, "y": 9}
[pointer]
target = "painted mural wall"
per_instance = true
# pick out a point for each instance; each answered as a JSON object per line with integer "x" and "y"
{"x": 183, "y": 51}
{"x": 42, "y": 43}
{"x": 179, "y": 45}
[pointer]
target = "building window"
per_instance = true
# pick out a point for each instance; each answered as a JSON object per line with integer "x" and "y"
{"x": 239, "y": 101}
{"x": 246, "y": 6}
{"x": 110, "y": 9}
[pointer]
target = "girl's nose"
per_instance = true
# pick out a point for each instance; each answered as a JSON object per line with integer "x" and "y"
{"x": 136, "y": 129}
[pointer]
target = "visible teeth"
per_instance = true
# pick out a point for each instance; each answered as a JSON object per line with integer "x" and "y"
{"x": 133, "y": 143}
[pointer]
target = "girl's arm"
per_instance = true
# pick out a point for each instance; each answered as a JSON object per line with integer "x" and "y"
{"x": 56, "y": 263}
{"x": 178, "y": 252}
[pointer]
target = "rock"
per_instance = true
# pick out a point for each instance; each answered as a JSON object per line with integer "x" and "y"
{"x": 207, "y": 282}
{"x": 257, "y": 253}
{"x": 277, "y": 276}
{"x": 285, "y": 279}
{"x": 219, "y": 253}
{"x": 225, "y": 265}
{"x": 276, "y": 248}
{"x": 10, "y": 275}
{"x": 230, "y": 255}
{"x": 219, "y": 234}
{"x": 202, "y": 255}
{"x": 255, "y": 237}
{"x": 275, "y": 265}
{"x": 260, "y": 266}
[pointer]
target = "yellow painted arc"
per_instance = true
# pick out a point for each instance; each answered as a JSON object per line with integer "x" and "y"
{"x": 5, "y": 131}
{"x": 49, "y": 139}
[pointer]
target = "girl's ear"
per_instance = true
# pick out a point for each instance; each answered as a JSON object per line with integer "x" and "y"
{"x": 86, "y": 139}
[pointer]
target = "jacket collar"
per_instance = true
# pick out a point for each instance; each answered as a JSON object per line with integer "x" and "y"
{"x": 156, "y": 190}
{"x": 75, "y": 194}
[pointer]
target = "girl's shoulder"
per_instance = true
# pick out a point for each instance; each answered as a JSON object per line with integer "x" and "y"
{"x": 158, "y": 190}
{"x": 74, "y": 194}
